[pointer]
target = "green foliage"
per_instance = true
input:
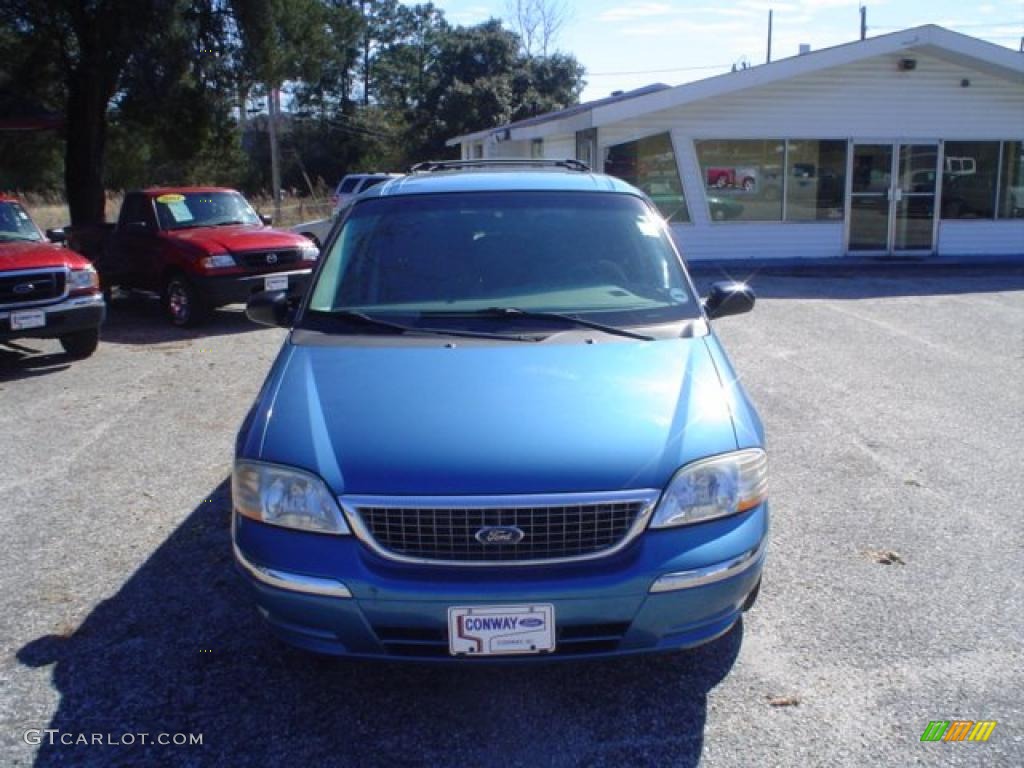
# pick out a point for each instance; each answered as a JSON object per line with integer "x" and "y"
{"x": 368, "y": 85}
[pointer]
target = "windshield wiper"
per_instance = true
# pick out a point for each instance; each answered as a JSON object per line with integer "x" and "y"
{"x": 365, "y": 319}
{"x": 516, "y": 312}
{"x": 19, "y": 238}
{"x": 227, "y": 223}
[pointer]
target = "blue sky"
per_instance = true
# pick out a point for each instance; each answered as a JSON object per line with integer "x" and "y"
{"x": 675, "y": 41}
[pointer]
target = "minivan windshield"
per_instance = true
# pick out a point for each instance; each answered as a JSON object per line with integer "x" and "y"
{"x": 603, "y": 257}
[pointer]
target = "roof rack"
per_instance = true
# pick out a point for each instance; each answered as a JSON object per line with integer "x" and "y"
{"x": 432, "y": 166}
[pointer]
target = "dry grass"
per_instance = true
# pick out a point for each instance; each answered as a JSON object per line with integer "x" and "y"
{"x": 52, "y": 211}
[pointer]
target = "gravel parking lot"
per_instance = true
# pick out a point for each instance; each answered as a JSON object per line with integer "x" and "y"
{"x": 895, "y": 412}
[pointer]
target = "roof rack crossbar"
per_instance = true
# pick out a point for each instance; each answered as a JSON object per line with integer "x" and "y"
{"x": 431, "y": 166}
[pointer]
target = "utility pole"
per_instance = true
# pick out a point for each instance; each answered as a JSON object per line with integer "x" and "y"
{"x": 768, "y": 60}
{"x": 863, "y": 22}
{"x": 273, "y": 107}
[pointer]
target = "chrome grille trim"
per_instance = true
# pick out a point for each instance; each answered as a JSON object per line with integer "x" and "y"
{"x": 58, "y": 276}
{"x": 351, "y": 505}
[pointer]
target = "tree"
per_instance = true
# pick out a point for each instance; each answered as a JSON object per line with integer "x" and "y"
{"x": 90, "y": 44}
{"x": 538, "y": 23}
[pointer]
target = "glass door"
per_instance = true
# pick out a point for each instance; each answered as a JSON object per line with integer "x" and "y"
{"x": 893, "y": 188}
{"x": 914, "y": 221}
{"x": 870, "y": 192}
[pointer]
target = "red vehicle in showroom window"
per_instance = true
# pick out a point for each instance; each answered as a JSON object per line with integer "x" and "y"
{"x": 46, "y": 291}
{"x": 198, "y": 248}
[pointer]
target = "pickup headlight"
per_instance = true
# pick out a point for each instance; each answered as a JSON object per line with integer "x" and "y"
{"x": 309, "y": 252}
{"x": 83, "y": 280}
{"x": 219, "y": 261}
{"x": 716, "y": 487}
{"x": 291, "y": 498}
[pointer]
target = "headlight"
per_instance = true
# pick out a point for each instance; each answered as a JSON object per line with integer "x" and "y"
{"x": 309, "y": 252}
{"x": 284, "y": 496}
{"x": 716, "y": 487}
{"x": 219, "y": 261}
{"x": 83, "y": 279}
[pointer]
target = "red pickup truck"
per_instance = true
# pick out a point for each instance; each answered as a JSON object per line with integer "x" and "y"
{"x": 45, "y": 291}
{"x": 198, "y": 247}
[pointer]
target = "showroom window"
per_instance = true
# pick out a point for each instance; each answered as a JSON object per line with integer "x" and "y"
{"x": 969, "y": 175}
{"x": 743, "y": 178}
{"x": 650, "y": 165}
{"x": 1011, "y": 185}
{"x": 815, "y": 180}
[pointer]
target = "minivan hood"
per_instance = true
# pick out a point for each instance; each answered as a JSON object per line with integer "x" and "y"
{"x": 494, "y": 419}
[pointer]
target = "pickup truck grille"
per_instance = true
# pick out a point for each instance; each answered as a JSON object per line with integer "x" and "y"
{"x": 564, "y": 531}
{"x": 268, "y": 258}
{"x": 31, "y": 287}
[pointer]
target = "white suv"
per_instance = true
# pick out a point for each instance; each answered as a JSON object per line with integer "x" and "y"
{"x": 354, "y": 183}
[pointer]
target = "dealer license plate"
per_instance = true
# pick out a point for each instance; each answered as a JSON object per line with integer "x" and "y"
{"x": 497, "y": 630}
{"x": 21, "y": 321}
{"x": 276, "y": 283}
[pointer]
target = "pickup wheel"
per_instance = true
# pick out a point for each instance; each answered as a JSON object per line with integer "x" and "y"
{"x": 81, "y": 344}
{"x": 184, "y": 304}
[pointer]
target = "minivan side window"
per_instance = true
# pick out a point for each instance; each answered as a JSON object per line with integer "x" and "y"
{"x": 348, "y": 184}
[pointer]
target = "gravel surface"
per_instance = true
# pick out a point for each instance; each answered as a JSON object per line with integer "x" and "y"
{"x": 892, "y": 595}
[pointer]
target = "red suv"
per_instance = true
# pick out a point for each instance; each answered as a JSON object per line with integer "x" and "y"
{"x": 45, "y": 291}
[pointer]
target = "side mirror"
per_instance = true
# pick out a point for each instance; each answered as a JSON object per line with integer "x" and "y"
{"x": 270, "y": 308}
{"x": 728, "y": 298}
{"x": 267, "y": 220}
{"x": 56, "y": 235}
{"x": 136, "y": 228}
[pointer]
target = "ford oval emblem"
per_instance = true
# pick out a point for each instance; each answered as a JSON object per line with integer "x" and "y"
{"x": 500, "y": 534}
{"x": 531, "y": 623}
{"x": 22, "y": 288}
{"x": 271, "y": 258}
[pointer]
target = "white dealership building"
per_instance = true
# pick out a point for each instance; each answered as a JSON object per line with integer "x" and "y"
{"x": 903, "y": 145}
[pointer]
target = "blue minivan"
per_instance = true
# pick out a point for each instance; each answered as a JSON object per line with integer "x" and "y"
{"x": 501, "y": 427}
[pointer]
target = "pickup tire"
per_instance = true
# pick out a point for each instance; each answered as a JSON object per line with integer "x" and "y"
{"x": 81, "y": 344}
{"x": 183, "y": 303}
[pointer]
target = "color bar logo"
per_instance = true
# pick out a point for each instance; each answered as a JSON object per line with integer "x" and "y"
{"x": 958, "y": 730}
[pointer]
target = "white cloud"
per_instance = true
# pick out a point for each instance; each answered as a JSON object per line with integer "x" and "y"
{"x": 683, "y": 25}
{"x": 635, "y": 11}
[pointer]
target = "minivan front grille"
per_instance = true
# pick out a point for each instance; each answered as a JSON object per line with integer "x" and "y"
{"x": 31, "y": 287}
{"x": 459, "y": 534}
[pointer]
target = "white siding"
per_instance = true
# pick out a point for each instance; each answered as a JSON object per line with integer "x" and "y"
{"x": 759, "y": 240}
{"x": 560, "y": 147}
{"x": 870, "y": 98}
{"x": 974, "y": 238}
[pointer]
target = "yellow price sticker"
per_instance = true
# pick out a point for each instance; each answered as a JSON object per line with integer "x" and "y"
{"x": 173, "y": 198}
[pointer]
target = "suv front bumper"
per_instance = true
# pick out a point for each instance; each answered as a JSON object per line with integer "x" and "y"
{"x": 78, "y": 313}
{"x": 331, "y": 594}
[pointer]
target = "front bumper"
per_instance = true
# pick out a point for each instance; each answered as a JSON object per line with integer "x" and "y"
{"x": 78, "y": 313}
{"x": 331, "y": 594}
{"x": 219, "y": 290}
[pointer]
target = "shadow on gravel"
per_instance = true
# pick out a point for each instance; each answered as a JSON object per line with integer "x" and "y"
{"x": 24, "y": 359}
{"x": 138, "y": 319}
{"x": 923, "y": 281}
{"x": 180, "y": 649}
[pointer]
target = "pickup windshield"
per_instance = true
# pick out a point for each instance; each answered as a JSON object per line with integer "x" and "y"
{"x": 501, "y": 258}
{"x": 15, "y": 223}
{"x": 181, "y": 210}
